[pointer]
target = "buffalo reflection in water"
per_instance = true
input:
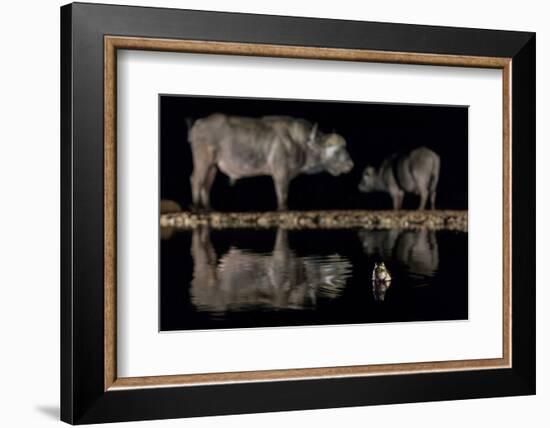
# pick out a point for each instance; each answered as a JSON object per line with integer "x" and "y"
{"x": 242, "y": 279}
{"x": 416, "y": 249}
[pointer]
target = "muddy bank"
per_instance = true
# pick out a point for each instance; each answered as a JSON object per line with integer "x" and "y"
{"x": 433, "y": 220}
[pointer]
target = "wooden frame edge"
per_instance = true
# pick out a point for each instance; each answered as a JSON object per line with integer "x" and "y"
{"x": 309, "y": 373}
{"x": 301, "y": 52}
{"x": 109, "y": 198}
{"x": 507, "y": 213}
{"x": 112, "y": 43}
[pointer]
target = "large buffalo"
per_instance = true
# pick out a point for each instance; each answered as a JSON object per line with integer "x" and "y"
{"x": 279, "y": 146}
{"x": 414, "y": 172}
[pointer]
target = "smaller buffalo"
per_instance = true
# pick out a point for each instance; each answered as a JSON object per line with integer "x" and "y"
{"x": 413, "y": 172}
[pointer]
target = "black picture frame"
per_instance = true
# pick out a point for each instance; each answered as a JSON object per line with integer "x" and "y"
{"x": 83, "y": 396}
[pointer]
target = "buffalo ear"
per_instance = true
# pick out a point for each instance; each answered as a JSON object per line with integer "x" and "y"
{"x": 370, "y": 171}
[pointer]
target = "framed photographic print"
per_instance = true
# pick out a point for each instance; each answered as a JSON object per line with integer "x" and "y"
{"x": 266, "y": 213}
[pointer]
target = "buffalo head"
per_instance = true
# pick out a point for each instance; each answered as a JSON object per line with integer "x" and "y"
{"x": 333, "y": 154}
{"x": 368, "y": 180}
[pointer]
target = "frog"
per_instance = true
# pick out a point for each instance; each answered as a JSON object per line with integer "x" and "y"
{"x": 380, "y": 273}
{"x": 381, "y": 281}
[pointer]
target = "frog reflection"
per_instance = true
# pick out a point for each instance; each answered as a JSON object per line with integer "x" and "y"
{"x": 417, "y": 249}
{"x": 278, "y": 280}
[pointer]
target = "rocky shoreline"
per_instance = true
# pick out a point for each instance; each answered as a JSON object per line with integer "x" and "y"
{"x": 342, "y": 219}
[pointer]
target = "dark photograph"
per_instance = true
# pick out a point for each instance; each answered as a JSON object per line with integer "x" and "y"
{"x": 278, "y": 213}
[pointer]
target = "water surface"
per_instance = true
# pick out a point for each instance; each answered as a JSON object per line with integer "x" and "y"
{"x": 265, "y": 278}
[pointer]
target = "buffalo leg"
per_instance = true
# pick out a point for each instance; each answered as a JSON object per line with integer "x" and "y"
{"x": 203, "y": 162}
{"x": 197, "y": 177}
{"x": 423, "y": 199}
{"x": 281, "y": 188}
{"x": 207, "y": 185}
{"x": 397, "y": 199}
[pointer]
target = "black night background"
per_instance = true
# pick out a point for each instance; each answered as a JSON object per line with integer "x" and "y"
{"x": 372, "y": 132}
